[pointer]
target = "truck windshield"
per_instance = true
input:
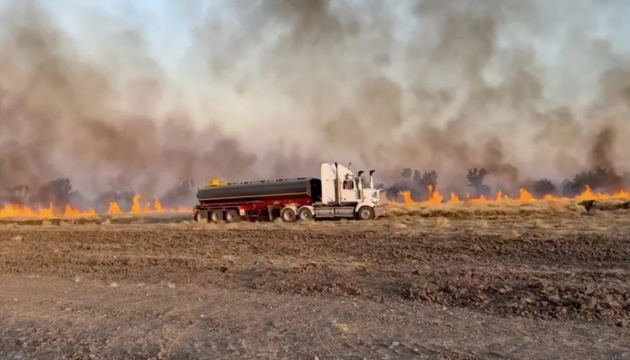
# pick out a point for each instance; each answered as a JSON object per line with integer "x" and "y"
{"x": 364, "y": 183}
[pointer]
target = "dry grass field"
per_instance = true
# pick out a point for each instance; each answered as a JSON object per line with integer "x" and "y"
{"x": 497, "y": 281}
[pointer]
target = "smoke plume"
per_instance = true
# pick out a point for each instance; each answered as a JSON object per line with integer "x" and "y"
{"x": 271, "y": 88}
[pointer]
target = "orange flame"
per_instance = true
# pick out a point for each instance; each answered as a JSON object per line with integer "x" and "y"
{"x": 135, "y": 208}
{"x": 114, "y": 209}
{"x": 20, "y": 211}
{"x": 524, "y": 196}
{"x": 158, "y": 206}
{"x": 407, "y": 198}
{"x": 16, "y": 211}
{"x": 70, "y": 212}
{"x": 435, "y": 198}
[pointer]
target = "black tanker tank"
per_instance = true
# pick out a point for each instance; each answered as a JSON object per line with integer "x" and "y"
{"x": 262, "y": 190}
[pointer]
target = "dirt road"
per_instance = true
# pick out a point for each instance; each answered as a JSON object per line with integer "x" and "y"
{"x": 508, "y": 287}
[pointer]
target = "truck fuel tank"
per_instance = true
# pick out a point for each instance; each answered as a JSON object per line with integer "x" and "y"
{"x": 247, "y": 191}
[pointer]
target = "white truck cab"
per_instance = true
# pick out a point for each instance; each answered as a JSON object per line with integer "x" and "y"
{"x": 345, "y": 194}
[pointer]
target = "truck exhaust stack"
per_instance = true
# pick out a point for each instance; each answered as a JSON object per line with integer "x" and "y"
{"x": 338, "y": 184}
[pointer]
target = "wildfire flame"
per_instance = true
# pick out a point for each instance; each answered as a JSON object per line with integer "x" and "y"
{"x": 435, "y": 199}
{"x": 136, "y": 209}
{"x": 17, "y": 211}
{"x": 524, "y": 196}
{"x": 114, "y": 209}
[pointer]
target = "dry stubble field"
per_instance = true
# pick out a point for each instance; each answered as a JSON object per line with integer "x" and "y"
{"x": 520, "y": 282}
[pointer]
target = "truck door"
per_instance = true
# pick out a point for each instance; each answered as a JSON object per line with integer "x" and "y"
{"x": 349, "y": 191}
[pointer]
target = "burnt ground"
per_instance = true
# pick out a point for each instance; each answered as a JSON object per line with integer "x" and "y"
{"x": 505, "y": 287}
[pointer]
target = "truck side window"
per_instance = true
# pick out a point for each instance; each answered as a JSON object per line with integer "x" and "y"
{"x": 348, "y": 184}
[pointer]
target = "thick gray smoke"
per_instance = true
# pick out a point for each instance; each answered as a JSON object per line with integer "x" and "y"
{"x": 270, "y": 88}
{"x": 524, "y": 89}
{"x": 104, "y": 122}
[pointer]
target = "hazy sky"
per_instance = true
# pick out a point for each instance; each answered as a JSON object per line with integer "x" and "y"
{"x": 167, "y": 23}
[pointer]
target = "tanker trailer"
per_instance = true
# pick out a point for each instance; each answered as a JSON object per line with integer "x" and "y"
{"x": 338, "y": 194}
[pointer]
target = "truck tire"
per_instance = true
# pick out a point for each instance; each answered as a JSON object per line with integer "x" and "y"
{"x": 305, "y": 214}
{"x": 365, "y": 213}
{"x": 216, "y": 216}
{"x": 232, "y": 216}
{"x": 288, "y": 215}
{"x": 201, "y": 216}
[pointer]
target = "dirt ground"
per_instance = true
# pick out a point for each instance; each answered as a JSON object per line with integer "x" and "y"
{"x": 506, "y": 286}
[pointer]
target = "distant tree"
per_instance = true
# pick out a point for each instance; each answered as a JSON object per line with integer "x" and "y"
{"x": 407, "y": 174}
{"x": 543, "y": 187}
{"x": 417, "y": 176}
{"x": 58, "y": 192}
{"x": 429, "y": 179}
{"x": 416, "y": 182}
{"x": 607, "y": 178}
{"x": 597, "y": 178}
{"x": 421, "y": 182}
{"x": 475, "y": 179}
{"x": 567, "y": 188}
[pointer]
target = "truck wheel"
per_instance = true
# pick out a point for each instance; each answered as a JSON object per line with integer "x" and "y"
{"x": 232, "y": 216}
{"x": 305, "y": 214}
{"x": 288, "y": 215}
{"x": 216, "y": 216}
{"x": 201, "y": 216}
{"x": 366, "y": 213}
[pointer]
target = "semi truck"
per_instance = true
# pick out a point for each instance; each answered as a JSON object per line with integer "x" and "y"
{"x": 339, "y": 193}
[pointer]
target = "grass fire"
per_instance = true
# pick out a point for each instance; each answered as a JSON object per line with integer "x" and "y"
{"x": 58, "y": 199}
{"x": 423, "y": 189}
